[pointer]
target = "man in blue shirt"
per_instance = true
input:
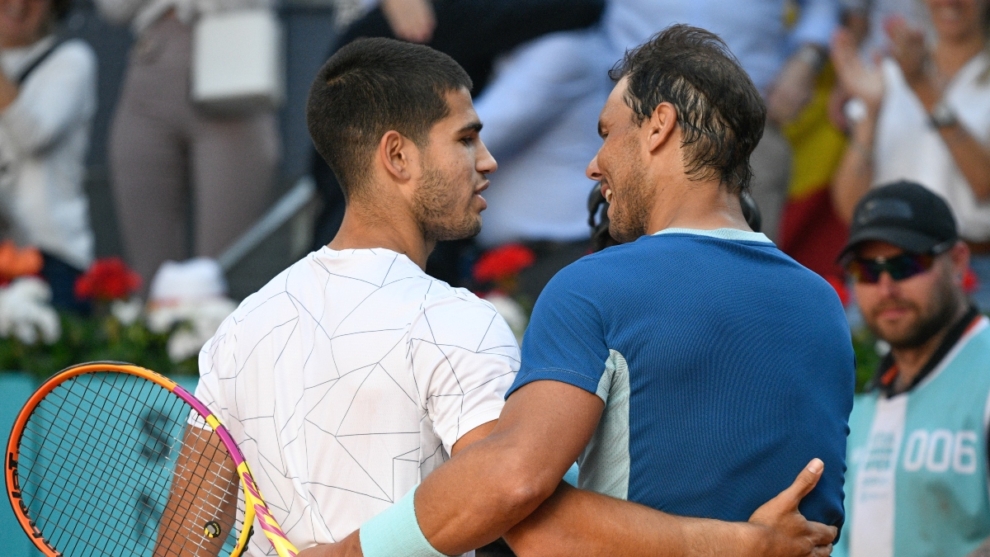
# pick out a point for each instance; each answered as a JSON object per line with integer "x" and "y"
{"x": 692, "y": 371}
{"x": 782, "y": 60}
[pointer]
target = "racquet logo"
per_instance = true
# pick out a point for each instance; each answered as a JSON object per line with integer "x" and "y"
{"x": 15, "y": 488}
{"x": 15, "y": 493}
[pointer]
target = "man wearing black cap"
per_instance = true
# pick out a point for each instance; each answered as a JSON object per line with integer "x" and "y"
{"x": 917, "y": 477}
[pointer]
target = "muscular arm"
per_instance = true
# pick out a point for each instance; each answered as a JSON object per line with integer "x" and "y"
{"x": 203, "y": 489}
{"x": 575, "y": 522}
{"x": 494, "y": 484}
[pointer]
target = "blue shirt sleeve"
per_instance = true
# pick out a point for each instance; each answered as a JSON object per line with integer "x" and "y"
{"x": 565, "y": 340}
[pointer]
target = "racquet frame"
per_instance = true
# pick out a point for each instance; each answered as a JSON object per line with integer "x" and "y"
{"x": 254, "y": 503}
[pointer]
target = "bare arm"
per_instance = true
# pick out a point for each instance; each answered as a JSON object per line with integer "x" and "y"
{"x": 203, "y": 490}
{"x": 575, "y": 522}
{"x": 795, "y": 84}
{"x": 855, "y": 173}
{"x": 971, "y": 157}
{"x": 495, "y": 483}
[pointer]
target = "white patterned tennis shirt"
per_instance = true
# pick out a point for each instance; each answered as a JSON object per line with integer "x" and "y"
{"x": 347, "y": 379}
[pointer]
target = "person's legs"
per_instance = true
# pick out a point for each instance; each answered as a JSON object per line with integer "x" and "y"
{"x": 233, "y": 163}
{"x": 147, "y": 153}
{"x": 61, "y": 278}
{"x": 771, "y": 162}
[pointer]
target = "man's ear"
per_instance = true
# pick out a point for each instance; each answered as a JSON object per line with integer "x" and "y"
{"x": 661, "y": 126}
{"x": 959, "y": 254}
{"x": 398, "y": 156}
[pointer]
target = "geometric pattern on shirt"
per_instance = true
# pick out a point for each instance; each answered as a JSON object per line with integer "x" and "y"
{"x": 345, "y": 381}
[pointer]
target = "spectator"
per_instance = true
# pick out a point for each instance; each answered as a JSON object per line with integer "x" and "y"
{"x": 925, "y": 118}
{"x": 782, "y": 63}
{"x": 47, "y": 99}
{"x": 167, "y": 154}
{"x": 541, "y": 113}
{"x": 917, "y": 478}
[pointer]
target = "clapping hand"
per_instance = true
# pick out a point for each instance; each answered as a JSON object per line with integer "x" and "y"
{"x": 410, "y": 20}
{"x": 858, "y": 79}
{"x": 907, "y": 46}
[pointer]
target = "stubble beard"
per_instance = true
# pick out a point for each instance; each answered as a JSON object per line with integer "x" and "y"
{"x": 437, "y": 210}
{"x": 943, "y": 308}
{"x": 630, "y": 218}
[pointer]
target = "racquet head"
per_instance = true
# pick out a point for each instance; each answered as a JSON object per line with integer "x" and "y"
{"x": 114, "y": 459}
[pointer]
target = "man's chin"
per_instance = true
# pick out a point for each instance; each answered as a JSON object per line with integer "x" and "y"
{"x": 461, "y": 233}
{"x": 900, "y": 337}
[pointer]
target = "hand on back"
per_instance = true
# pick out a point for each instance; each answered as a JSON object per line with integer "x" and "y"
{"x": 786, "y": 532}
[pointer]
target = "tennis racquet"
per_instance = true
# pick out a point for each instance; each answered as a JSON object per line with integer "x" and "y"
{"x": 114, "y": 459}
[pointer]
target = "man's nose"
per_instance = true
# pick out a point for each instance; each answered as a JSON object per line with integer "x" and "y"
{"x": 592, "y": 170}
{"x": 887, "y": 284}
{"x": 486, "y": 162}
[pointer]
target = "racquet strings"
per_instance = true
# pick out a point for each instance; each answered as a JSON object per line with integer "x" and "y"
{"x": 98, "y": 457}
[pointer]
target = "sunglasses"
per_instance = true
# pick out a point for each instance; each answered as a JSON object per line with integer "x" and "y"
{"x": 900, "y": 267}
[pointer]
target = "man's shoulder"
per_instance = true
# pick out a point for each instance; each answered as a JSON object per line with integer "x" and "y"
{"x": 448, "y": 313}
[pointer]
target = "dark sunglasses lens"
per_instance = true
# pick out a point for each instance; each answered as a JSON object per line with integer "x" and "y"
{"x": 906, "y": 266}
{"x": 901, "y": 267}
{"x": 863, "y": 271}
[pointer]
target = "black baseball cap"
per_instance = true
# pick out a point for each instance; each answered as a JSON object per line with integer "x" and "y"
{"x": 904, "y": 214}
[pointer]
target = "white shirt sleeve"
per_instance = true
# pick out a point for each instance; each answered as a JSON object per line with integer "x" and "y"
{"x": 208, "y": 387}
{"x": 57, "y": 95}
{"x": 464, "y": 358}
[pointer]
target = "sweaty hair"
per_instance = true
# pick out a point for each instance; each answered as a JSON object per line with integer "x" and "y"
{"x": 719, "y": 109}
{"x": 372, "y": 86}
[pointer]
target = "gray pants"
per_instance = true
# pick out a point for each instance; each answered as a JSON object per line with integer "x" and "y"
{"x": 771, "y": 162}
{"x": 170, "y": 162}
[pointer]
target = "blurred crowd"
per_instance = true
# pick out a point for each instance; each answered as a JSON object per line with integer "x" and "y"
{"x": 858, "y": 92}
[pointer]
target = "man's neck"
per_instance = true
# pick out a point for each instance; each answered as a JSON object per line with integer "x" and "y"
{"x": 911, "y": 361}
{"x": 702, "y": 205}
{"x": 365, "y": 229}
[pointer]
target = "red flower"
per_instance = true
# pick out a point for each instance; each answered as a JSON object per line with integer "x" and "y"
{"x": 503, "y": 262}
{"x": 970, "y": 282}
{"x": 840, "y": 288}
{"x": 107, "y": 279}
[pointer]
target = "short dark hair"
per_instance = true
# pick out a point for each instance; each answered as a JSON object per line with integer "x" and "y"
{"x": 719, "y": 109}
{"x": 372, "y": 86}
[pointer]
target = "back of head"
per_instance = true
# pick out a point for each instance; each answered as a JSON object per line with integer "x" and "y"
{"x": 372, "y": 86}
{"x": 719, "y": 109}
